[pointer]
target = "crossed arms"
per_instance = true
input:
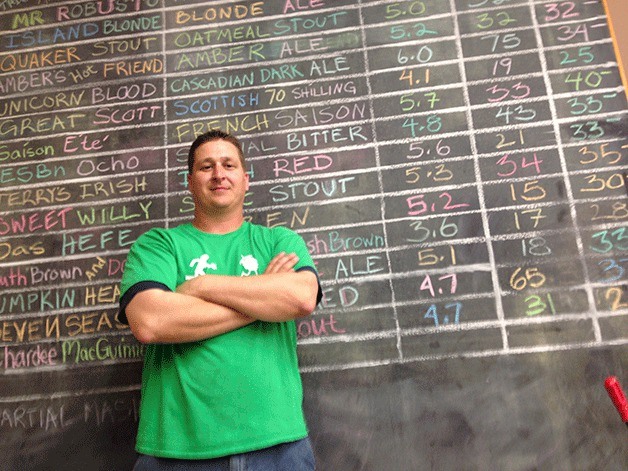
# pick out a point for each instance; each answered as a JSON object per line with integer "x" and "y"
{"x": 211, "y": 305}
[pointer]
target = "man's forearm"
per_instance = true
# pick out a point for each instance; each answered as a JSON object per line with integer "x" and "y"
{"x": 270, "y": 297}
{"x": 157, "y": 316}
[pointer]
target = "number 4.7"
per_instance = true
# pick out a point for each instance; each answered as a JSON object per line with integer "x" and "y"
{"x": 427, "y": 284}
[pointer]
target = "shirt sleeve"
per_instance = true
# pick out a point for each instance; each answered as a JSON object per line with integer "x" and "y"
{"x": 150, "y": 264}
{"x": 290, "y": 242}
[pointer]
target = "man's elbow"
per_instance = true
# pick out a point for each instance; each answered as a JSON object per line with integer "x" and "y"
{"x": 303, "y": 310}
{"x": 142, "y": 330}
{"x": 308, "y": 301}
{"x": 144, "y": 325}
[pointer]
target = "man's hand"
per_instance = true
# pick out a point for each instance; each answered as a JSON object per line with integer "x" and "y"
{"x": 282, "y": 263}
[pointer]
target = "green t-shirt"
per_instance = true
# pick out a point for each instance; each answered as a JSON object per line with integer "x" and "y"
{"x": 234, "y": 393}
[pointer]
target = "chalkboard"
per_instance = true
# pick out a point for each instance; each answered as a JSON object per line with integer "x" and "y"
{"x": 457, "y": 170}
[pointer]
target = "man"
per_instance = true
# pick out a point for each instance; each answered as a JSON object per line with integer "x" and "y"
{"x": 215, "y": 302}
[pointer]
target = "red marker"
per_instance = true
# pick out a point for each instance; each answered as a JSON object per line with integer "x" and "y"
{"x": 617, "y": 396}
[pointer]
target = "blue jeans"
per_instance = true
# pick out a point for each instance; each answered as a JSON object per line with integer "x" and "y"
{"x": 292, "y": 456}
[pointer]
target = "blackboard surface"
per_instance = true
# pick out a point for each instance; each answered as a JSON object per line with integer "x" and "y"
{"x": 457, "y": 169}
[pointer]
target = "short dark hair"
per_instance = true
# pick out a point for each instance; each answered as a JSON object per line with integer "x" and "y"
{"x": 214, "y": 135}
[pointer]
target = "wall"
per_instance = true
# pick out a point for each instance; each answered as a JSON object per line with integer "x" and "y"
{"x": 457, "y": 170}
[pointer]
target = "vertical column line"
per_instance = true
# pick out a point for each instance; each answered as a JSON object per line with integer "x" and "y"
{"x": 565, "y": 171}
{"x": 499, "y": 309}
{"x": 380, "y": 182}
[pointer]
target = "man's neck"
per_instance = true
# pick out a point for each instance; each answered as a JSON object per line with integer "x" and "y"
{"x": 217, "y": 225}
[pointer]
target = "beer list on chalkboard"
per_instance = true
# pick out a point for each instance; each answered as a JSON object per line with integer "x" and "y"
{"x": 457, "y": 170}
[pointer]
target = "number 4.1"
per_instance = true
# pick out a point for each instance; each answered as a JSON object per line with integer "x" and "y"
{"x": 422, "y": 77}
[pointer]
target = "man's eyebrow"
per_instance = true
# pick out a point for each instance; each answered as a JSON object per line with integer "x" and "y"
{"x": 212, "y": 158}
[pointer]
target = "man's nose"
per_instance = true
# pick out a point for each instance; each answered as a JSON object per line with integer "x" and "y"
{"x": 219, "y": 172}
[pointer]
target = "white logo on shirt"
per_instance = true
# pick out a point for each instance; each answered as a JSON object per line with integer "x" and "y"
{"x": 201, "y": 265}
{"x": 250, "y": 264}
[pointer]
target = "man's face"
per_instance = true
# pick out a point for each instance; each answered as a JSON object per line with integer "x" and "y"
{"x": 218, "y": 181}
